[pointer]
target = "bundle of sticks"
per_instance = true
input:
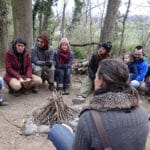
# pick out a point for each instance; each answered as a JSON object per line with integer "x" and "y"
{"x": 81, "y": 67}
{"x": 56, "y": 111}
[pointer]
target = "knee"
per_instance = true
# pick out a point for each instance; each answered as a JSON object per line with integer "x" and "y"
{"x": 15, "y": 84}
{"x": 37, "y": 80}
{"x": 37, "y": 70}
{"x": 135, "y": 83}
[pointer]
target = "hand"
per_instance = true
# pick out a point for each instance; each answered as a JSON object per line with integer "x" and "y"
{"x": 27, "y": 80}
{"x": 48, "y": 64}
{"x": 21, "y": 80}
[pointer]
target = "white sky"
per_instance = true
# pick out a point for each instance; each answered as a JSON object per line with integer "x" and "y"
{"x": 138, "y": 7}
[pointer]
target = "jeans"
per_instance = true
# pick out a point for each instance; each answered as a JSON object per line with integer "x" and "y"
{"x": 63, "y": 76}
{"x": 61, "y": 137}
{"x": 135, "y": 83}
{"x": 1, "y": 88}
{"x": 1, "y": 83}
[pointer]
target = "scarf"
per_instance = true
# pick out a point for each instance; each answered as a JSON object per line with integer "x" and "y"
{"x": 63, "y": 56}
{"x": 20, "y": 59}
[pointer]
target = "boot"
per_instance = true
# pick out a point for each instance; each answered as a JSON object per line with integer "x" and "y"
{"x": 51, "y": 87}
{"x": 2, "y": 103}
{"x": 66, "y": 90}
{"x": 60, "y": 88}
{"x": 23, "y": 91}
{"x": 34, "y": 90}
{"x": 17, "y": 93}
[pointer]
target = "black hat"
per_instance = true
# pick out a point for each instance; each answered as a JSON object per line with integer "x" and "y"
{"x": 107, "y": 46}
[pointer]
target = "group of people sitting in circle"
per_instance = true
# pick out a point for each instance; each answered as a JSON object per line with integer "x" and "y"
{"x": 115, "y": 100}
{"x": 119, "y": 122}
{"x": 28, "y": 69}
{"x": 136, "y": 62}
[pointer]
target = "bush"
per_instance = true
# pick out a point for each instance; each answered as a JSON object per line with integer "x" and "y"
{"x": 78, "y": 53}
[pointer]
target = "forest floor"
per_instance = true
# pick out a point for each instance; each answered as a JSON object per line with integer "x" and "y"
{"x": 19, "y": 108}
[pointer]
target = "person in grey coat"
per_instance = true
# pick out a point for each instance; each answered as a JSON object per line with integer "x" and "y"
{"x": 124, "y": 120}
{"x": 42, "y": 60}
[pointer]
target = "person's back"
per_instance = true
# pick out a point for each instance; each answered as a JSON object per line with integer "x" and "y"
{"x": 126, "y": 130}
{"x": 125, "y": 123}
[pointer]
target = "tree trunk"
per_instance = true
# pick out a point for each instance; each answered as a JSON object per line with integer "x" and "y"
{"x": 47, "y": 14}
{"x": 22, "y": 20}
{"x": 4, "y": 41}
{"x": 107, "y": 32}
{"x": 63, "y": 20}
{"x": 3, "y": 29}
{"x": 123, "y": 26}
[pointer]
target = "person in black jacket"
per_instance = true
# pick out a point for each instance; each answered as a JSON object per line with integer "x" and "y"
{"x": 88, "y": 83}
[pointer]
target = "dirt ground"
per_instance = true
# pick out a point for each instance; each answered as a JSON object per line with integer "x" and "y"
{"x": 19, "y": 108}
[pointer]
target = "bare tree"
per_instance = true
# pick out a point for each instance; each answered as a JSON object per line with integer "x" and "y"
{"x": 123, "y": 25}
{"x": 108, "y": 28}
{"x": 63, "y": 19}
{"x": 22, "y": 20}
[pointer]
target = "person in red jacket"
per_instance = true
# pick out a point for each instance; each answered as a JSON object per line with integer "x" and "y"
{"x": 19, "y": 69}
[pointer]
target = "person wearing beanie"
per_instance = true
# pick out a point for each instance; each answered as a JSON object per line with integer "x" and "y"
{"x": 19, "y": 76}
{"x": 63, "y": 63}
{"x": 42, "y": 60}
{"x": 104, "y": 52}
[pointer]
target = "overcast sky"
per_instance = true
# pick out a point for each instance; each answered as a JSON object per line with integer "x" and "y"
{"x": 138, "y": 7}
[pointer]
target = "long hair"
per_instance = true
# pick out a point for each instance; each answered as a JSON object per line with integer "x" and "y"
{"x": 116, "y": 74}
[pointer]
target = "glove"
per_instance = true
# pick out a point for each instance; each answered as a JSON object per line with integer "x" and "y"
{"x": 48, "y": 64}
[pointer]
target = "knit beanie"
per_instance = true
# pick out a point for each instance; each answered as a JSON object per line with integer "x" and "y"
{"x": 64, "y": 40}
{"x": 107, "y": 46}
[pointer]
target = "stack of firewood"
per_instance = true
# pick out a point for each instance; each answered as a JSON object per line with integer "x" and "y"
{"x": 56, "y": 111}
{"x": 81, "y": 67}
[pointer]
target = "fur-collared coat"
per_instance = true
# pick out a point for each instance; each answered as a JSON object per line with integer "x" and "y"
{"x": 125, "y": 123}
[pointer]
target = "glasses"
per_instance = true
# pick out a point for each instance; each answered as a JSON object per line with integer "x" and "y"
{"x": 40, "y": 41}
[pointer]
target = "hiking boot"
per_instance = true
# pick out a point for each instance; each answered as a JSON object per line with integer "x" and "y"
{"x": 51, "y": 87}
{"x": 34, "y": 90}
{"x": 17, "y": 93}
{"x": 3, "y": 103}
{"x": 23, "y": 91}
{"x": 79, "y": 100}
{"x": 66, "y": 91}
{"x": 11, "y": 91}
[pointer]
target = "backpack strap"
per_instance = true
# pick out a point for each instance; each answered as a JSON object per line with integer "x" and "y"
{"x": 99, "y": 126}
